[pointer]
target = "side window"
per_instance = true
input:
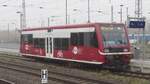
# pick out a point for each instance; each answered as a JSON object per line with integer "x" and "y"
{"x": 81, "y": 38}
{"x": 77, "y": 38}
{"x": 61, "y": 43}
{"x": 65, "y": 43}
{"x": 57, "y": 43}
{"x": 94, "y": 41}
{"x": 39, "y": 42}
{"x": 35, "y": 42}
{"x": 88, "y": 39}
{"x": 28, "y": 38}
{"x": 42, "y": 43}
{"x": 74, "y": 38}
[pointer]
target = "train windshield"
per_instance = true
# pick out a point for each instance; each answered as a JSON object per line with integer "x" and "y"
{"x": 113, "y": 36}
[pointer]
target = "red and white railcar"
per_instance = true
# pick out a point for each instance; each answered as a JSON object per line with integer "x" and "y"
{"x": 95, "y": 43}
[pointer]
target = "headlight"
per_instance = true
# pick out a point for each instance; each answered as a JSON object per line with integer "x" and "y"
{"x": 106, "y": 50}
{"x": 125, "y": 50}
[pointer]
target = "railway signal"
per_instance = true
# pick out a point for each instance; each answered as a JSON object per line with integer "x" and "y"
{"x": 44, "y": 76}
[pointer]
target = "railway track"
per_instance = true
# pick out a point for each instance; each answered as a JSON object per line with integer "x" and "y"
{"x": 54, "y": 76}
{"x": 123, "y": 73}
{"x": 133, "y": 74}
{"x": 14, "y": 56}
{"x": 3, "y": 81}
{"x": 120, "y": 73}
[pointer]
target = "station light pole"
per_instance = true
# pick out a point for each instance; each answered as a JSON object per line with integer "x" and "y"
{"x": 23, "y": 14}
{"x": 21, "y": 18}
{"x": 121, "y": 13}
{"x": 127, "y": 14}
{"x": 66, "y": 5}
{"x": 16, "y": 32}
{"x": 88, "y": 11}
{"x": 112, "y": 13}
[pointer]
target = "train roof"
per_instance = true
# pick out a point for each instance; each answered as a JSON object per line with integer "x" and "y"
{"x": 70, "y": 26}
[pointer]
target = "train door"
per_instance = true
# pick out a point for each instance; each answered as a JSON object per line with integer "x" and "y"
{"x": 49, "y": 47}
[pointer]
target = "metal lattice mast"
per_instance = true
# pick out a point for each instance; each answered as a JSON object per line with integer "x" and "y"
{"x": 23, "y": 14}
{"x": 112, "y": 13}
{"x": 88, "y": 11}
{"x": 138, "y": 14}
{"x": 138, "y": 8}
{"x": 66, "y": 11}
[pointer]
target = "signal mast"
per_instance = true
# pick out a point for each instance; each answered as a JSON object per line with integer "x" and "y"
{"x": 138, "y": 8}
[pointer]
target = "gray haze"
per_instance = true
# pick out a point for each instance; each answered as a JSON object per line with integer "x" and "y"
{"x": 37, "y": 11}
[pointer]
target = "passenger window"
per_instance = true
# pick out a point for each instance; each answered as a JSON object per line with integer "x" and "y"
{"x": 61, "y": 43}
{"x": 77, "y": 38}
{"x": 74, "y": 38}
{"x": 88, "y": 39}
{"x": 27, "y": 38}
{"x": 39, "y": 43}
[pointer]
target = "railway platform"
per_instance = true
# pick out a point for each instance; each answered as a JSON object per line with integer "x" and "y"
{"x": 140, "y": 65}
{"x": 9, "y": 50}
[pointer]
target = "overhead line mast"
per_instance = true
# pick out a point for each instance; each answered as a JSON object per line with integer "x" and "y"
{"x": 138, "y": 8}
{"x": 24, "y": 14}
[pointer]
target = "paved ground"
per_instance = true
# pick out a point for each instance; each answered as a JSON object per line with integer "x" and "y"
{"x": 9, "y": 45}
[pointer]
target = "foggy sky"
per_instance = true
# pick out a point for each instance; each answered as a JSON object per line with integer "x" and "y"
{"x": 37, "y": 16}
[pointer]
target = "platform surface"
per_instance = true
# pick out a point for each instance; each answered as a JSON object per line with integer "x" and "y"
{"x": 140, "y": 65}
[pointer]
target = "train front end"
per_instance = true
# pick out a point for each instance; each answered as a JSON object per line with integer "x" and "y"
{"x": 115, "y": 46}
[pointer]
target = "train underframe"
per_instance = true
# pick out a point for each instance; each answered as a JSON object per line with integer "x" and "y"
{"x": 117, "y": 62}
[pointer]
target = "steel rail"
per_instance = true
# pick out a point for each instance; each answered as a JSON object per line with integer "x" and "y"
{"x": 80, "y": 79}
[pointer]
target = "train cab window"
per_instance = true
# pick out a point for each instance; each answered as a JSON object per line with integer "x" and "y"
{"x": 39, "y": 42}
{"x": 61, "y": 43}
{"x": 27, "y": 38}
